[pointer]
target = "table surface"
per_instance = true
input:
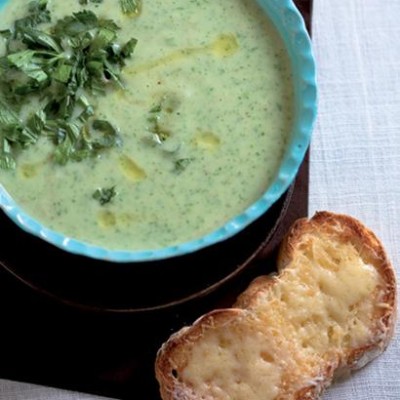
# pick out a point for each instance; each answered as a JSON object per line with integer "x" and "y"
{"x": 355, "y": 157}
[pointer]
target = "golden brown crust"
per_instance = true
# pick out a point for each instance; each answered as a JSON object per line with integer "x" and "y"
{"x": 348, "y": 229}
{"x": 172, "y": 357}
{"x": 257, "y": 287}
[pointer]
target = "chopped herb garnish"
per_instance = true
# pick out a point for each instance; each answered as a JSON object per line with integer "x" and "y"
{"x": 131, "y": 7}
{"x": 104, "y": 196}
{"x": 159, "y": 133}
{"x": 86, "y": 2}
{"x": 6, "y": 33}
{"x": 162, "y": 138}
{"x": 6, "y": 157}
{"x": 38, "y": 14}
{"x": 156, "y": 109}
{"x": 58, "y": 68}
{"x": 182, "y": 164}
{"x": 166, "y": 106}
{"x": 14, "y": 131}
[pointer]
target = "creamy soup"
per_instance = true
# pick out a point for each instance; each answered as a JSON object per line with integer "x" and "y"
{"x": 215, "y": 77}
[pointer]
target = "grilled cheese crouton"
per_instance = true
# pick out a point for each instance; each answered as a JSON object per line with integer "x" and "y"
{"x": 329, "y": 310}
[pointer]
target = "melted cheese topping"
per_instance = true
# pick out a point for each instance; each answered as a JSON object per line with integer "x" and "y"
{"x": 232, "y": 363}
{"x": 320, "y": 307}
{"x": 325, "y": 296}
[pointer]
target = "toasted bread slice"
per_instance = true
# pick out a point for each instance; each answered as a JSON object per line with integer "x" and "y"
{"x": 331, "y": 309}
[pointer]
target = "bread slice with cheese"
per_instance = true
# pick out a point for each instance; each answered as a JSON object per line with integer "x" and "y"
{"x": 329, "y": 310}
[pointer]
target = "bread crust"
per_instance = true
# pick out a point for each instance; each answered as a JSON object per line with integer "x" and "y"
{"x": 348, "y": 229}
{"x": 171, "y": 358}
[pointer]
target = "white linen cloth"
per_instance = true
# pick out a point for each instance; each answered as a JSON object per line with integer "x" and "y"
{"x": 355, "y": 157}
{"x": 355, "y": 153}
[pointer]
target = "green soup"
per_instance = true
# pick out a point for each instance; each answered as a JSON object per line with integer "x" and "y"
{"x": 217, "y": 75}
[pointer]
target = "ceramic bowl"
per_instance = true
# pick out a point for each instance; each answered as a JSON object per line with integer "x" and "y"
{"x": 291, "y": 27}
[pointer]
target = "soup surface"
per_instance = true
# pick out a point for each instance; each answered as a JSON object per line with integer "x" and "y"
{"x": 215, "y": 77}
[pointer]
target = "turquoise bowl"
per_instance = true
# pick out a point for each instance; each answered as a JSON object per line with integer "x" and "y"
{"x": 290, "y": 25}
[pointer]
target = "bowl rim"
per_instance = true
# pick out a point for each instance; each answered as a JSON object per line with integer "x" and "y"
{"x": 290, "y": 25}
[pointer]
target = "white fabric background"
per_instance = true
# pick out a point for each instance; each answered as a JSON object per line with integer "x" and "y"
{"x": 355, "y": 163}
{"x": 355, "y": 158}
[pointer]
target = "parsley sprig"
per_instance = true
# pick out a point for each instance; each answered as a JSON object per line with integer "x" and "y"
{"x": 59, "y": 67}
